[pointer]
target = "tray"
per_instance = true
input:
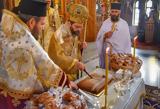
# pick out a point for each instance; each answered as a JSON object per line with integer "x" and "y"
{"x": 102, "y": 73}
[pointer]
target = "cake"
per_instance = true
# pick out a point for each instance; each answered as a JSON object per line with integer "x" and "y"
{"x": 125, "y": 61}
{"x": 47, "y": 100}
{"x": 70, "y": 100}
{"x": 70, "y": 96}
{"x": 73, "y": 101}
{"x": 93, "y": 85}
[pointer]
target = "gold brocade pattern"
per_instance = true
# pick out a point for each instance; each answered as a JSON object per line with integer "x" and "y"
{"x": 52, "y": 24}
{"x": 14, "y": 93}
{"x": 48, "y": 31}
{"x": 46, "y": 82}
{"x": 56, "y": 51}
{"x": 71, "y": 48}
{"x": 78, "y": 13}
{"x": 68, "y": 47}
{"x": 57, "y": 18}
{"x": 70, "y": 44}
{"x": 57, "y": 54}
{"x": 24, "y": 64}
{"x": 9, "y": 27}
{"x": 27, "y": 68}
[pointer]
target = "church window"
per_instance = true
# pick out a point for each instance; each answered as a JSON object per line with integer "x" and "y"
{"x": 135, "y": 13}
{"x": 148, "y": 7}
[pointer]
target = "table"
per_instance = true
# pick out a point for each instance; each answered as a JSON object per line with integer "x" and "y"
{"x": 131, "y": 100}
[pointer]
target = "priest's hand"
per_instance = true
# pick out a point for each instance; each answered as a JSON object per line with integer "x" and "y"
{"x": 80, "y": 66}
{"x": 73, "y": 85}
{"x": 108, "y": 35}
{"x": 83, "y": 45}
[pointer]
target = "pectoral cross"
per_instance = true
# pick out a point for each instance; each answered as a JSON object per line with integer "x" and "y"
{"x": 114, "y": 27}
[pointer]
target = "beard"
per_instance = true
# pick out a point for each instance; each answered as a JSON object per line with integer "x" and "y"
{"x": 75, "y": 33}
{"x": 0, "y": 15}
{"x": 35, "y": 32}
{"x": 114, "y": 18}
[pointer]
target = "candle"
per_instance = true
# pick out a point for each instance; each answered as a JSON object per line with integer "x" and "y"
{"x": 134, "y": 46}
{"x": 85, "y": 31}
{"x": 107, "y": 72}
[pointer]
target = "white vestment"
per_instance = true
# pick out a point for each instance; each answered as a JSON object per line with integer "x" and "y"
{"x": 120, "y": 39}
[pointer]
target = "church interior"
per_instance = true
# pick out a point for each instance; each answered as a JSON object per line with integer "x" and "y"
{"x": 108, "y": 75}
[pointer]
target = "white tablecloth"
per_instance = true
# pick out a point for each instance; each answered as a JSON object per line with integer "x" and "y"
{"x": 131, "y": 100}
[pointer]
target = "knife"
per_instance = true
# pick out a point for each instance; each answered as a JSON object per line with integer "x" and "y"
{"x": 87, "y": 73}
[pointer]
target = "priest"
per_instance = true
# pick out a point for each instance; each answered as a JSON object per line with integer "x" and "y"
{"x": 26, "y": 69}
{"x": 114, "y": 32}
{"x": 52, "y": 23}
{"x": 68, "y": 37}
{"x": 64, "y": 47}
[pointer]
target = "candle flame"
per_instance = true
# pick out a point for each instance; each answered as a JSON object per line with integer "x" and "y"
{"x": 107, "y": 49}
{"x": 135, "y": 38}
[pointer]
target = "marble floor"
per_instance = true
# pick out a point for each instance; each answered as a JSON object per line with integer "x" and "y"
{"x": 151, "y": 66}
{"x": 150, "y": 69}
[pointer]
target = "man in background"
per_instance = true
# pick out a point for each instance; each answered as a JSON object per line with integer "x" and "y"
{"x": 114, "y": 31}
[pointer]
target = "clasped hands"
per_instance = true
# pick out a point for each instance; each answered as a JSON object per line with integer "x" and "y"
{"x": 108, "y": 35}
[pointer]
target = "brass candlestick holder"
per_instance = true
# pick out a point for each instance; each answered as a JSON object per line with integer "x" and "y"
{"x": 106, "y": 80}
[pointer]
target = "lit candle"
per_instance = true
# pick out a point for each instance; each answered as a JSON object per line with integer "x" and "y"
{"x": 107, "y": 72}
{"x": 134, "y": 45}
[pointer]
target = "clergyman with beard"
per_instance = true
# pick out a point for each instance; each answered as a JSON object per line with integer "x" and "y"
{"x": 114, "y": 30}
{"x": 26, "y": 69}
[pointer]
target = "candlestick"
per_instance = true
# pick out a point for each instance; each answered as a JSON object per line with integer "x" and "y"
{"x": 85, "y": 31}
{"x": 106, "y": 79}
{"x": 134, "y": 46}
